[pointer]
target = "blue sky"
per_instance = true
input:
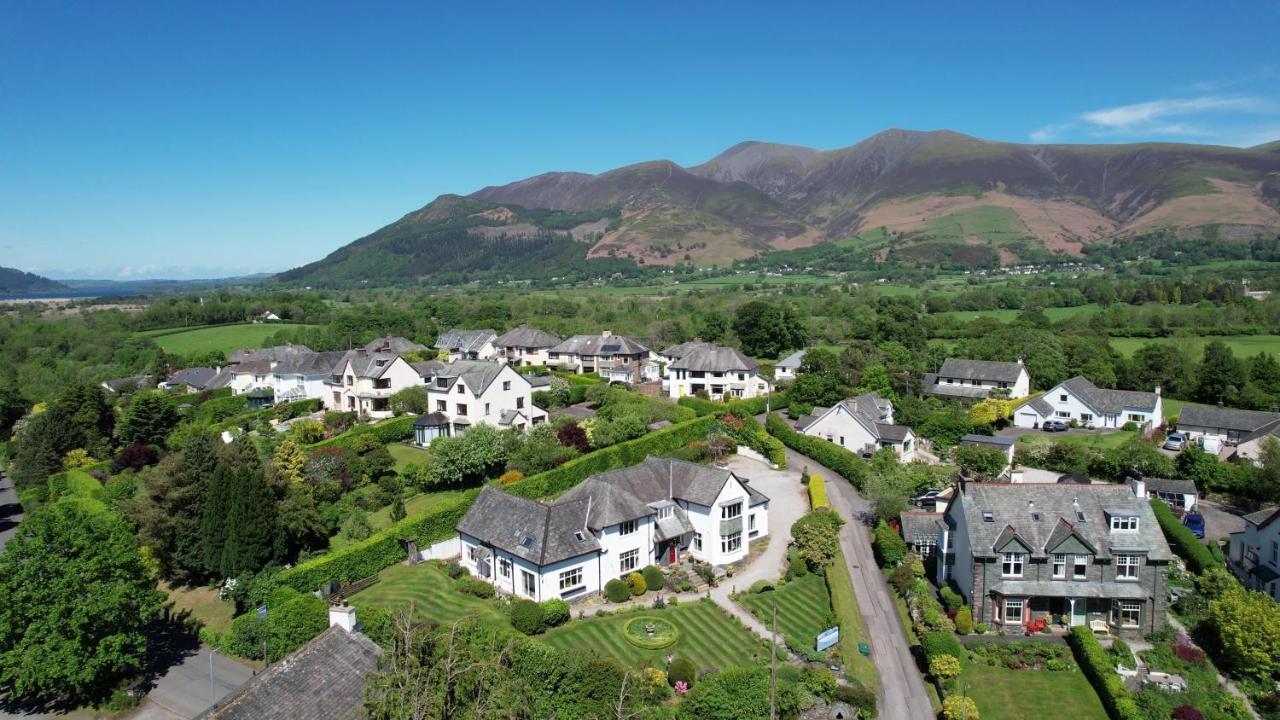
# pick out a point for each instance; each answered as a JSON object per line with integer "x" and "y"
{"x": 184, "y": 139}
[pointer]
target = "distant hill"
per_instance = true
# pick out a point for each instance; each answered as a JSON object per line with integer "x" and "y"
{"x": 13, "y": 282}
{"x": 919, "y": 197}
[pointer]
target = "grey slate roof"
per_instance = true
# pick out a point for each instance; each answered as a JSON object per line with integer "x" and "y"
{"x": 1262, "y": 517}
{"x": 931, "y": 386}
{"x": 989, "y": 370}
{"x": 322, "y": 363}
{"x": 322, "y": 680}
{"x": 1245, "y": 421}
{"x": 465, "y": 340}
{"x": 681, "y": 349}
{"x": 625, "y": 494}
{"x": 366, "y": 364}
{"x": 540, "y": 381}
{"x": 1106, "y": 400}
{"x": 540, "y": 533}
{"x": 1168, "y": 485}
{"x": 917, "y": 526}
{"x": 196, "y": 377}
{"x": 714, "y": 358}
{"x": 394, "y": 344}
{"x": 477, "y": 374}
{"x": 1272, "y": 429}
{"x": 869, "y": 409}
{"x": 139, "y": 382}
{"x": 791, "y": 361}
{"x": 601, "y": 345}
{"x": 1012, "y": 505}
{"x": 222, "y": 379}
{"x": 426, "y": 368}
{"x": 527, "y": 337}
{"x": 1058, "y": 588}
{"x": 276, "y": 354}
{"x": 996, "y": 440}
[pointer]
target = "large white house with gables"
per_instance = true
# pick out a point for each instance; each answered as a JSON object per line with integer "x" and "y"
{"x": 468, "y": 344}
{"x": 364, "y": 381}
{"x": 1091, "y": 406}
{"x": 611, "y": 524}
{"x": 526, "y": 346}
{"x": 464, "y": 393}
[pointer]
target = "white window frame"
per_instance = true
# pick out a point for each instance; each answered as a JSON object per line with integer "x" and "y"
{"x": 1127, "y": 567}
{"x": 570, "y": 579}
{"x": 528, "y": 579}
{"x": 629, "y": 561}
{"x": 1010, "y": 604}
{"x": 628, "y": 527}
{"x": 1059, "y": 566}
{"x": 731, "y": 543}
{"x": 697, "y": 542}
{"x": 731, "y": 511}
{"x": 1125, "y": 608}
{"x": 1077, "y": 561}
{"x": 1012, "y": 564}
{"x": 1124, "y": 523}
{"x": 504, "y": 567}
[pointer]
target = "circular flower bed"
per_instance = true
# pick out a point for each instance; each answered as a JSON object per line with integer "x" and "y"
{"x": 650, "y": 633}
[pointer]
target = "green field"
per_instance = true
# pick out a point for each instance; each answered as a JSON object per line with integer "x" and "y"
{"x": 803, "y": 607}
{"x": 1054, "y": 313}
{"x": 987, "y": 222}
{"x": 220, "y": 338}
{"x": 1003, "y": 694}
{"x": 1242, "y": 345}
{"x": 405, "y": 455}
{"x": 429, "y": 591}
{"x": 708, "y": 638}
{"x": 415, "y": 505}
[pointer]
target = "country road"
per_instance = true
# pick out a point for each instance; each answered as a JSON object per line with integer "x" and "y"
{"x": 10, "y": 510}
{"x": 902, "y": 691}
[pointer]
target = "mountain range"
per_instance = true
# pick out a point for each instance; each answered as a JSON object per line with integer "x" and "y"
{"x": 900, "y": 195}
{"x": 17, "y": 282}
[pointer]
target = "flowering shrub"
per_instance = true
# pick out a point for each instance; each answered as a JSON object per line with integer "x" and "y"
{"x": 1189, "y": 654}
{"x": 1187, "y": 712}
{"x": 682, "y": 687}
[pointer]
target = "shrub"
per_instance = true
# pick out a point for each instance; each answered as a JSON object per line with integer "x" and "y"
{"x": 617, "y": 590}
{"x": 555, "y": 613}
{"x": 526, "y": 616}
{"x": 889, "y": 545}
{"x": 944, "y": 667}
{"x": 902, "y": 579}
{"x": 1186, "y": 712}
{"x": 1096, "y": 665}
{"x": 959, "y": 707}
{"x": 964, "y": 621}
{"x": 981, "y": 628}
{"x": 454, "y": 570}
{"x": 760, "y": 586}
{"x": 847, "y": 464}
{"x": 1121, "y": 654}
{"x": 818, "y": 493}
{"x": 681, "y": 670}
{"x": 1188, "y": 653}
{"x": 134, "y": 457}
{"x": 510, "y": 476}
{"x": 475, "y": 587}
{"x": 951, "y": 599}
{"x": 860, "y": 697}
{"x": 817, "y": 537}
{"x": 796, "y": 566}
{"x": 820, "y": 681}
{"x": 653, "y": 577}
{"x": 934, "y": 644}
{"x": 637, "y": 584}
{"x": 1184, "y": 542}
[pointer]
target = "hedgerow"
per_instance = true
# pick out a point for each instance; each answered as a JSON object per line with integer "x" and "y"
{"x": 1096, "y": 664}
{"x": 386, "y": 431}
{"x": 746, "y": 431}
{"x": 818, "y": 493}
{"x": 750, "y": 406}
{"x": 847, "y": 464}
{"x": 1184, "y": 541}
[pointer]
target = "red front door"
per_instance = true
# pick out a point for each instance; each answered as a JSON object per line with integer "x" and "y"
{"x": 671, "y": 554}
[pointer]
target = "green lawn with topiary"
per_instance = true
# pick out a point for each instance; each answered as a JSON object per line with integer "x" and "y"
{"x": 708, "y": 637}
{"x": 432, "y": 595}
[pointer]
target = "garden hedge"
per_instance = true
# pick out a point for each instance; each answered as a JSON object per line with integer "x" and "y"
{"x": 938, "y": 643}
{"x": 750, "y": 406}
{"x": 848, "y": 465}
{"x": 1097, "y": 666}
{"x": 1183, "y": 541}
{"x": 818, "y": 493}
{"x": 752, "y": 434}
{"x": 387, "y": 431}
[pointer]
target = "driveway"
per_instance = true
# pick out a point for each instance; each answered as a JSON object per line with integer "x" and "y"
{"x": 184, "y": 690}
{"x": 902, "y": 692}
{"x": 1220, "y": 520}
{"x": 10, "y": 510}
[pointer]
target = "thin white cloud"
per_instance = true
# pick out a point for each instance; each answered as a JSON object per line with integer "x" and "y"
{"x": 1049, "y": 133}
{"x": 1130, "y": 116}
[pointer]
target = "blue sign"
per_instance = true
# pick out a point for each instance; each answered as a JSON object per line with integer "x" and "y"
{"x": 828, "y": 637}
{"x": 262, "y": 612}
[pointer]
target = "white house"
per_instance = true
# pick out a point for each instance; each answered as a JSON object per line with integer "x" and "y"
{"x": 526, "y": 346}
{"x": 1229, "y": 425}
{"x": 363, "y": 382}
{"x": 1250, "y": 446}
{"x": 610, "y": 525}
{"x": 1091, "y": 406}
{"x": 669, "y": 355}
{"x": 721, "y": 373}
{"x": 472, "y": 392}
{"x": 304, "y": 377}
{"x": 1254, "y": 553}
{"x": 862, "y": 424}
{"x": 788, "y": 366}
{"x": 468, "y": 344}
{"x": 615, "y": 357}
{"x": 1177, "y": 494}
{"x": 976, "y": 379}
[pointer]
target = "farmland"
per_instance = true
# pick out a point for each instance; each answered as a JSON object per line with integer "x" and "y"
{"x": 1241, "y": 345}
{"x": 218, "y": 338}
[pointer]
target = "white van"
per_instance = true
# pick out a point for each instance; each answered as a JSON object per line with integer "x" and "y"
{"x": 1211, "y": 444}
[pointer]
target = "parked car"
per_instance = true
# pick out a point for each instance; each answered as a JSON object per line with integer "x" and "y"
{"x": 1195, "y": 523}
{"x": 1175, "y": 442}
{"x": 1054, "y": 426}
{"x": 928, "y": 498}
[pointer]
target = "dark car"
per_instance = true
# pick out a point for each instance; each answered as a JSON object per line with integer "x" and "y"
{"x": 1054, "y": 426}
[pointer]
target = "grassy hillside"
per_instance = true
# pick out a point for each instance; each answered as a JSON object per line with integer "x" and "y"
{"x": 222, "y": 338}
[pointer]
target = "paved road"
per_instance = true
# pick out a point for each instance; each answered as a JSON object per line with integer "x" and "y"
{"x": 10, "y": 510}
{"x": 183, "y": 691}
{"x": 902, "y": 692}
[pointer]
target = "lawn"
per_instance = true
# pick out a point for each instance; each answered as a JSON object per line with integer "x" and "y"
{"x": 203, "y": 604}
{"x": 1003, "y": 694}
{"x": 415, "y": 505}
{"x": 405, "y": 455}
{"x": 1242, "y": 345}
{"x": 1101, "y": 441}
{"x": 220, "y": 338}
{"x": 803, "y": 607}
{"x": 429, "y": 591}
{"x": 852, "y": 629}
{"x": 709, "y": 637}
{"x": 1054, "y": 313}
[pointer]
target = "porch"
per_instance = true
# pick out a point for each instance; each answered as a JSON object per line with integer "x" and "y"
{"x": 1056, "y": 615}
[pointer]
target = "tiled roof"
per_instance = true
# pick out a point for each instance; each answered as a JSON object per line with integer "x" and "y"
{"x": 1262, "y": 517}
{"x": 988, "y": 370}
{"x": 394, "y": 344}
{"x": 367, "y": 364}
{"x": 277, "y": 353}
{"x": 601, "y": 345}
{"x": 477, "y": 374}
{"x": 1106, "y": 400}
{"x": 196, "y": 377}
{"x": 792, "y": 361}
{"x": 322, "y": 363}
{"x": 713, "y": 358}
{"x": 931, "y": 386}
{"x": 465, "y": 340}
{"x": 869, "y": 409}
{"x": 624, "y": 494}
{"x": 1168, "y": 485}
{"x": 322, "y": 680}
{"x": 527, "y": 337}
{"x": 684, "y": 348}
{"x": 917, "y": 526}
{"x": 1245, "y": 421}
{"x": 426, "y": 368}
{"x": 999, "y": 441}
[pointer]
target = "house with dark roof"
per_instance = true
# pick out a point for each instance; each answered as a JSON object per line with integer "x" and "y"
{"x": 718, "y": 373}
{"x": 1091, "y": 554}
{"x": 862, "y": 424}
{"x": 614, "y": 523}
{"x": 672, "y": 353}
{"x": 468, "y": 344}
{"x": 1253, "y": 553}
{"x": 526, "y": 346}
{"x": 963, "y": 379}
{"x": 322, "y": 680}
{"x": 1229, "y": 425}
{"x": 363, "y": 382}
{"x": 1092, "y": 407}
{"x": 1250, "y": 446}
{"x": 994, "y": 442}
{"x": 303, "y": 376}
{"x": 787, "y": 367}
{"x": 277, "y": 353}
{"x": 196, "y": 379}
{"x": 1180, "y": 495}
{"x": 921, "y": 530}
{"x": 464, "y": 393}
{"x": 126, "y": 385}
{"x": 617, "y": 358}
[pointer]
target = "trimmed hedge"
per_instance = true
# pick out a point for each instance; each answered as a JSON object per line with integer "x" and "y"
{"x": 753, "y": 435}
{"x": 818, "y": 493}
{"x": 847, "y": 464}
{"x": 558, "y": 480}
{"x": 938, "y": 643}
{"x": 751, "y": 406}
{"x": 380, "y": 550}
{"x": 1097, "y": 666}
{"x": 1183, "y": 541}
{"x": 387, "y": 431}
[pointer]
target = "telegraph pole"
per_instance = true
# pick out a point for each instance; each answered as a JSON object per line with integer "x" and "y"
{"x": 773, "y": 667}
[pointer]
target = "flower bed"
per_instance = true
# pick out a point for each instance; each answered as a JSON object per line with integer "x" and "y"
{"x": 1031, "y": 655}
{"x": 650, "y": 633}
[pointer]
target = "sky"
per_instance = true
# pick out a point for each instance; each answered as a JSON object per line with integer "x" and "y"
{"x": 198, "y": 139}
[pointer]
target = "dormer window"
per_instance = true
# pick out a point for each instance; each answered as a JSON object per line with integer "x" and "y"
{"x": 442, "y": 382}
{"x": 988, "y": 517}
{"x": 1124, "y": 522}
{"x": 1011, "y": 565}
{"x": 664, "y": 512}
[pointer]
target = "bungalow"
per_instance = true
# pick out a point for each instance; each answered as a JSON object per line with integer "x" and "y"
{"x": 525, "y": 346}
{"x": 976, "y": 379}
{"x": 472, "y": 392}
{"x": 196, "y": 379}
{"x": 720, "y": 373}
{"x": 1226, "y": 424}
{"x": 363, "y": 382}
{"x": 1090, "y": 554}
{"x": 610, "y": 525}
{"x": 468, "y": 344}
{"x": 1253, "y": 553}
{"x": 863, "y": 424}
{"x": 1250, "y": 446}
{"x": 616, "y": 358}
{"x": 1091, "y": 406}
{"x": 789, "y": 366}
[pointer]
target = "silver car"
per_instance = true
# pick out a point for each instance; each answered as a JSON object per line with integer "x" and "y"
{"x": 1175, "y": 442}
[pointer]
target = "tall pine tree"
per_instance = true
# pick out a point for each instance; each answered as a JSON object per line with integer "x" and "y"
{"x": 187, "y": 504}
{"x": 213, "y": 518}
{"x": 251, "y": 525}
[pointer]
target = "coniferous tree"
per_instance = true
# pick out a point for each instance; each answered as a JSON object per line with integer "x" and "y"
{"x": 149, "y": 420}
{"x": 187, "y": 504}
{"x": 213, "y": 518}
{"x": 251, "y": 525}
